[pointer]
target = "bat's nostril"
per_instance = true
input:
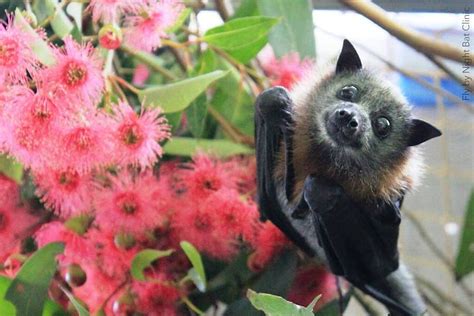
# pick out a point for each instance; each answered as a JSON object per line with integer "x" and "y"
{"x": 353, "y": 123}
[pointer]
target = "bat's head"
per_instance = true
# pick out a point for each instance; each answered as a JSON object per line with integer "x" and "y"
{"x": 362, "y": 125}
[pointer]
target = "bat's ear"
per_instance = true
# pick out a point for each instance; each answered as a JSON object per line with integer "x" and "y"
{"x": 421, "y": 131}
{"x": 348, "y": 59}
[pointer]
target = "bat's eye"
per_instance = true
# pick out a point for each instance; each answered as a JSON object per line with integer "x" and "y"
{"x": 382, "y": 126}
{"x": 348, "y": 93}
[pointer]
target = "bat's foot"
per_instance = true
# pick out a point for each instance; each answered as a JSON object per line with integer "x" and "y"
{"x": 274, "y": 105}
{"x": 321, "y": 194}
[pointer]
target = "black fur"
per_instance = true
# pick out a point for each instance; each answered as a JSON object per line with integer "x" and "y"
{"x": 357, "y": 238}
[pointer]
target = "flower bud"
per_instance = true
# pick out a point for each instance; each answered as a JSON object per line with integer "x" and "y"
{"x": 75, "y": 276}
{"x": 110, "y": 36}
{"x": 124, "y": 241}
{"x": 124, "y": 305}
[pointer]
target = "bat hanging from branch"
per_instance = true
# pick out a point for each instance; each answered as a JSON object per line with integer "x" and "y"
{"x": 334, "y": 161}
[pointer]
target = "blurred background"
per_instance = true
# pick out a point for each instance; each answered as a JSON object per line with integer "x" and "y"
{"x": 440, "y": 203}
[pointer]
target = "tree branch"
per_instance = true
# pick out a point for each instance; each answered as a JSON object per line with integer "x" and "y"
{"x": 410, "y": 37}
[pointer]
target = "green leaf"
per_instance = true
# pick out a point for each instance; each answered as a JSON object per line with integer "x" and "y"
{"x": 241, "y": 38}
{"x": 273, "y": 305}
{"x": 196, "y": 115}
{"x": 284, "y": 267}
{"x": 40, "y": 47}
{"x": 6, "y": 307}
{"x": 144, "y": 259}
{"x": 296, "y": 31}
{"x": 79, "y": 224}
{"x": 80, "y": 308}
{"x": 52, "y": 308}
{"x": 332, "y": 308}
{"x": 4, "y": 284}
{"x": 60, "y": 23}
{"x": 177, "y": 96}
{"x": 11, "y": 168}
{"x": 29, "y": 289}
{"x": 232, "y": 97}
{"x": 246, "y": 8}
{"x": 187, "y": 147}
{"x": 196, "y": 273}
{"x": 465, "y": 257}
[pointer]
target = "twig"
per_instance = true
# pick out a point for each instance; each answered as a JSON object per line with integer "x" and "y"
{"x": 366, "y": 303}
{"x": 448, "y": 95}
{"x": 125, "y": 84}
{"x": 435, "y": 60}
{"x": 443, "y": 297}
{"x": 191, "y": 306}
{"x": 165, "y": 72}
{"x": 431, "y": 244}
{"x": 438, "y": 307}
{"x": 436, "y": 250}
{"x": 412, "y": 38}
{"x": 117, "y": 88}
{"x": 230, "y": 130}
{"x": 222, "y": 7}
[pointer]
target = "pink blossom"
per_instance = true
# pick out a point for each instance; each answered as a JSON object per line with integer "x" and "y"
{"x": 206, "y": 175}
{"x": 77, "y": 248}
{"x": 157, "y": 299}
{"x": 311, "y": 281}
{"x": 14, "y": 219}
{"x": 109, "y": 11}
{"x": 65, "y": 191}
{"x": 83, "y": 145}
{"x": 136, "y": 136}
{"x": 78, "y": 70}
{"x": 287, "y": 70}
{"x": 269, "y": 242}
{"x": 145, "y": 29}
{"x": 16, "y": 57}
{"x": 140, "y": 75}
{"x": 30, "y": 123}
{"x": 128, "y": 201}
{"x": 97, "y": 288}
{"x": 113, "y": 261}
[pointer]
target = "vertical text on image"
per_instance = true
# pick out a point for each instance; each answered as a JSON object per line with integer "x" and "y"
{"x": 467, "y": 60}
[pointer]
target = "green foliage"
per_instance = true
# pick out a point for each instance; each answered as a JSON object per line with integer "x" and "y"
{"x": 175, "y": 97}
{"x": 273, "y": 305}
{"x": 60, "y": 22}
{"x": 186, "y": 147}
{"x": 40, "y": 47}
{"x": 232, "y": 97}
{"x": 11, "y": 168}
{"x": 29, "y": 289}
{"x": 81, "y": 310}
{"x": 6, "y": 307}
{"x": 52, "y": 308}
{"x": 241, "y": 38}
{"x": 276, "y": 280}
{"x": 296, "y": 31}
{"x": 246, "y": 8}
{"x": 465, "y": 257}
{"x": 196, "y": 273}
{"x": 144, "y": 259}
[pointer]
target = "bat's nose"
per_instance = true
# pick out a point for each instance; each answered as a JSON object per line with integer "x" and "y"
{"x": 345, "y": 117}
